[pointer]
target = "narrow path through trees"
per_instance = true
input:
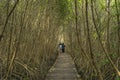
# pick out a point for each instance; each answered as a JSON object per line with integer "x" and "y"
{"x": 63, "y": 69}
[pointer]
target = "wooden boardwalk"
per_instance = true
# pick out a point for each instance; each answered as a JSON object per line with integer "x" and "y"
{"x": 63, "y": 69}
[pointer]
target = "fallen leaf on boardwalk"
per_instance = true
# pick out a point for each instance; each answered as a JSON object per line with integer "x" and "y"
{"x": 52, "y": 69}
{"x": 78, "y": 75}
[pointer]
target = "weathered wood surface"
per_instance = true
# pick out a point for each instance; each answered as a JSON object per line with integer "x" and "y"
{"x": 63, "y": 69}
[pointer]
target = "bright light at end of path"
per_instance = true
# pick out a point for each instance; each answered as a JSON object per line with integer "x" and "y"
{"x": 61, "y": 38}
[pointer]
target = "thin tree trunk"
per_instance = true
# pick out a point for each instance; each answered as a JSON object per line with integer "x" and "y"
{"x": 10, "y": 42}
{"x": 7, "y": 19}
{"x": 118, "y": 29}
{"x": 108, "y": 27}
{"x": 90, "y": 46}
{"x": 76, "y": 22}
{"x": 100, "y": 74}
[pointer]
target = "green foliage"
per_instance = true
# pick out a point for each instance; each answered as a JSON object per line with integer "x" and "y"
{"x": 95, "y": 35}
{"x": 117, "y": 78}
{"x": 113, "y": 55}
{"x": 63, "y": 8}
{"x": 2, "y": 6}
{"x": 26, "y": 79}
{"x": 105, "y": 61}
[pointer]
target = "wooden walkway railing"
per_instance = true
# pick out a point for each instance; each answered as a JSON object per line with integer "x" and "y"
{"x": 63, "y": 69}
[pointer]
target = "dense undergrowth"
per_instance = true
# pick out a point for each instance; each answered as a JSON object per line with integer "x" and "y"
{"x": 86, "y": 71}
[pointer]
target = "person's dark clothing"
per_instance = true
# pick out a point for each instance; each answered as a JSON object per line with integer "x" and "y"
{"x": 63, "y": 48}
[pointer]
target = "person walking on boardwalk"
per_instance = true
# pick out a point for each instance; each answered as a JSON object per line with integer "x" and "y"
{"x": 60, "y": 47}
{"x": 63, "y": 47}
